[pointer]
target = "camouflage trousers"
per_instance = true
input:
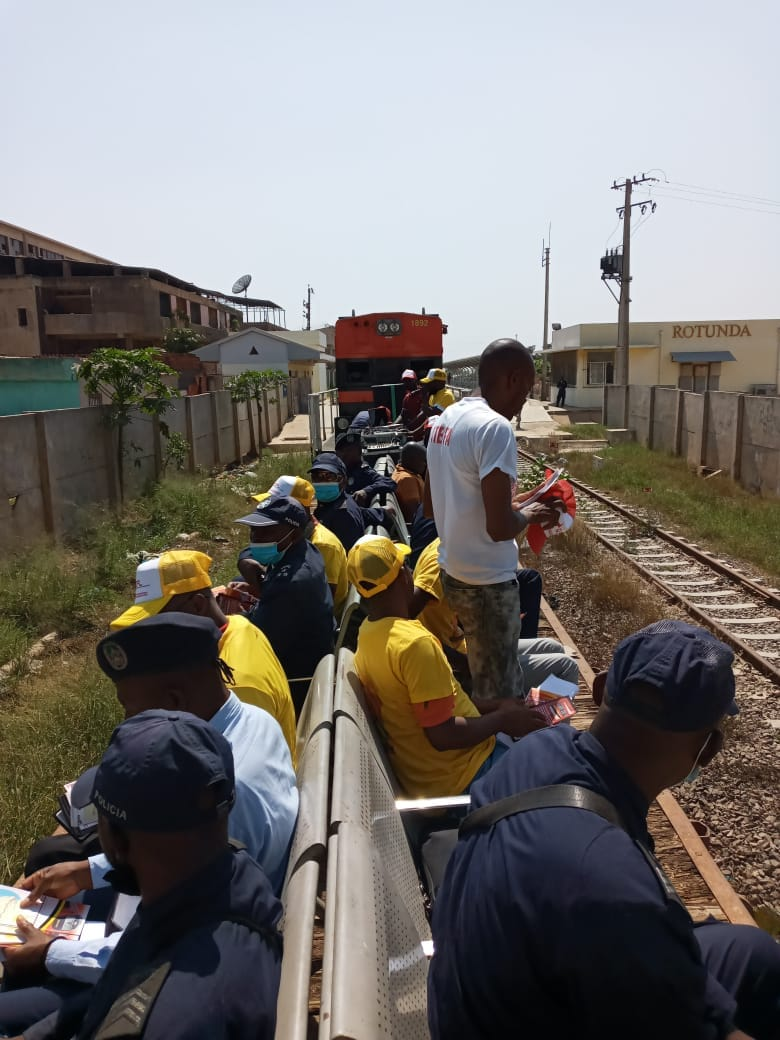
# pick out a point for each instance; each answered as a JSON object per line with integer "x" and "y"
{"x": 490, "y": 618}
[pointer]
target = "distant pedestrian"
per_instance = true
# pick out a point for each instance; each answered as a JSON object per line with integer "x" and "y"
{"x": 560, "y": 400}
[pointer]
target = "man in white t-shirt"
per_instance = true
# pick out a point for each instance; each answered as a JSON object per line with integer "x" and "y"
{"x": 472, "y": 471}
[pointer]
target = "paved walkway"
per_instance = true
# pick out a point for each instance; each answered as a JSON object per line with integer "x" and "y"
{"x": 535, "y": 422}
{"x": 293, "y": 436}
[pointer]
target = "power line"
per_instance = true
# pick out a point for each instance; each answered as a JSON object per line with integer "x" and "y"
{"x": 663, "y": 194}
{"x": 738, "y": 196}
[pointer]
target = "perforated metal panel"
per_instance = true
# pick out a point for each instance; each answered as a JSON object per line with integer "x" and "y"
{"x": 300, "y": 901}
{"x": 378, "y": 975}
{"x": 350, "y": 700}
{"x": 362, "y": 796}
{"x": 318, "y": 705}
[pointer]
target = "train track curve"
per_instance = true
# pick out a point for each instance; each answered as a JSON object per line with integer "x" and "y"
{"x": 741, "y": 611}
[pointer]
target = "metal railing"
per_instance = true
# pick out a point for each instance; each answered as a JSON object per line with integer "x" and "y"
{"x": 323, "y": 411}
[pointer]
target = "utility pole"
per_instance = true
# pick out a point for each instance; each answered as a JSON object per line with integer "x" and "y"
{"x": 307, "y": 307}
{"x": 545, "y": 391}
{"x": 621, "y": 349}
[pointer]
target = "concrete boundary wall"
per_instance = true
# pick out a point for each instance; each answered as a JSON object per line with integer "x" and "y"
{"x": 54, "y": 464}
{"x": 738, "y": 434}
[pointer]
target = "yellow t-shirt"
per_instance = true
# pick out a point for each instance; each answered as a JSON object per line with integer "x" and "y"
{"x": 335, "y": 559}
{"x": 437, "y": 615}
{"x": 410, "y": 685}
{"x": 443, "y": 399}
{"x": 258, "y": 677}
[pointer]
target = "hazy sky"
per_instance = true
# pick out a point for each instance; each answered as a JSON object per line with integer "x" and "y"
{"x": 403, "y": 154}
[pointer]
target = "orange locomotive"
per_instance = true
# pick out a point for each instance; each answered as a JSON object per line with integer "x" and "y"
{"x": 373, "y": 349}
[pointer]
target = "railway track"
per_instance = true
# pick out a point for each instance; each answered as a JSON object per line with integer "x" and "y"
{"x": 741, "y": 611}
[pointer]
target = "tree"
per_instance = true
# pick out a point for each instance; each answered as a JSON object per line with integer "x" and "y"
{"x": 182, "y": 340}
{"x": 249, "y": 386}
{"x": 128, "y": 379}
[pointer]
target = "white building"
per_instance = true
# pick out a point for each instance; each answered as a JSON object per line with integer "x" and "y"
{"x": 254, "y": 348}
{"x": 741, "y": 356}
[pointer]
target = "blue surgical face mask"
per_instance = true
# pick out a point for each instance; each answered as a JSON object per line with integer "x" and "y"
{"x": 268, "y": 553}
{"x": 327, "y": 492}
{"x": 696, "y": 767}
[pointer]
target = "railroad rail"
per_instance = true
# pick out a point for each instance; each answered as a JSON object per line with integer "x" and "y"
{"x": 738, "y": 609}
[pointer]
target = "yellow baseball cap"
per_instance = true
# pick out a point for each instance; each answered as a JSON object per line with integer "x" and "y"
{"x": 158, "y": 580}
{"x": 289, "y": 487}
{"x": 435, "y": 374}
{"x": 374, "y": 563}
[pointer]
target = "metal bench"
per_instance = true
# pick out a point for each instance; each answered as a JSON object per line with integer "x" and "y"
{"x": 303, "y": 883}
{"x": 375, "y": 970}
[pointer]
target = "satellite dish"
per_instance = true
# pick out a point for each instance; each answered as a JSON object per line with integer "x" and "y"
{"x": 242, "y": 284}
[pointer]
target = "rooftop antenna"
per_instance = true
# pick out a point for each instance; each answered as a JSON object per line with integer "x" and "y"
{"x": 241, "y": 285}
{"x": 307, "y": 307}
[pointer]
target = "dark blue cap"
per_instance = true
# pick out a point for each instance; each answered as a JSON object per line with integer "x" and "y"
{"x": 330, "y": 462}
{"x": 348, "y": 437}
{"x": 165, "y": 771}
{"x": 673, "y": 676}
{"x": 162, "y": 643}
{"x": 284, "y": 510}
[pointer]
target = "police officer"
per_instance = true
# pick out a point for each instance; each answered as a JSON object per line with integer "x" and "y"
{"x": 163, "y": 792}
{"x": 557, "y": 921}
{"x": 295, "y": 607}
{"x": 363, "y": 482}
{"x": 337, "y": 510}
{"x": 168, "y": 660}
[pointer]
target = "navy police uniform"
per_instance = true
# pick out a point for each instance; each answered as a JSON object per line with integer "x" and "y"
{"x": 347, "y": 520}
{"x": 295, "y": 599}
{"x": 203, "y": 961}
{"x": 556, "y": 923}
{"x": 363, "y": 477}
{"x": 204, "y": 958}
{"x": 295, "y": 611}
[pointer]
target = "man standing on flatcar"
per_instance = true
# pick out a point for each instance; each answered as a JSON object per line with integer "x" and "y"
{"x": 472, "y": 472}
{"x": 439, "y": 397}
{"x": 412, "y": 413}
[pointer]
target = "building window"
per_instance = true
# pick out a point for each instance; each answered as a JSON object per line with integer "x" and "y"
{"x": 3, "y": 245}
{"x": 195, "y": 314}
{"x": 213, "y": 317}
{"x": 21, "y": 315}
{"x": 597, "y": 373}
{"x": 17, "y": 247}
{"x": 699, "y": 378}
{"x": 165, "y": 305}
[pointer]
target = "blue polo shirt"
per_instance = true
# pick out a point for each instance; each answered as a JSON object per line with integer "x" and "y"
{"x": 554, "y": 924}
{"x": 295, "y": 610}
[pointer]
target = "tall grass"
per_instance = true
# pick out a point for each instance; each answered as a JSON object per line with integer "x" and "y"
{"x": 56, "y": 717}
{"x": 57, "y": 734}
{"x": 586, "y": 431}
{"x": 715, "y": 511}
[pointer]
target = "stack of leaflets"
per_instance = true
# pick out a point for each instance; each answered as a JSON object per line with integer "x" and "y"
{"x": 61, "y": 918}
{"x": 552, "y": 699}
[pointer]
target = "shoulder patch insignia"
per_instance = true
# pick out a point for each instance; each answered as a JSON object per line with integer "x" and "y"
{"x": 128, "y": 1014}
